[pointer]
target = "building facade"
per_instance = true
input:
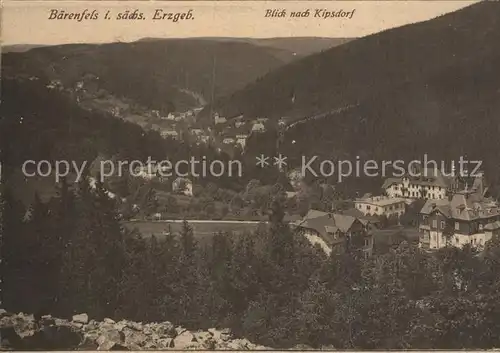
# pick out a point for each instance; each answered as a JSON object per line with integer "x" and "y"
{"x": 336, "y": 232}
{"x": 466, "y": 217}
{"x": 427, "y": 183}
{"x": 381, "y": 205}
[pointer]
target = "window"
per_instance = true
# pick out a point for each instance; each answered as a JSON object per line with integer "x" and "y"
{"x": 457, "y": 226}
{"x": 367, "y": 242}
{"x": 434, "y": 223}
{"x": 367, "y": 207}
{"x": 442, "y": 224}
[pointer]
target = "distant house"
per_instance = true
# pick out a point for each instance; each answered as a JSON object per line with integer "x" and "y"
{"x": 170, "y": 116}
{"x": 55, "y": 84}
{"x": 381, "y": 205}
{"x": 219, "y": 119}
{"x": 170, "y": 134}
{"x": 258, "y": 127}
{"x": 196, "y": 132}
{"x": 204, "y": 138}
{"x": 155, "y": 127}
{"x": 183, "y": 186}
{"x": 241, "y": 139}
{"x": 468, "y": 217}
{"x": 335, "y": 232}
{"x": 283, "y": 121}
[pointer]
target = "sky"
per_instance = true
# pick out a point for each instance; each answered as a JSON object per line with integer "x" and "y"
{"x": 27, "y": 22}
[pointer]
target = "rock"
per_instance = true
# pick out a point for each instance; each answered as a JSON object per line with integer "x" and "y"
{"x": 91, "y": 326}
{"x": 88, "y": 344}
{"x": 184, "y": 340}
{"x": 22, "y": 332}
{"x": 134, "y": 325}
{"x": 179, "y": 330}
{"x": 108, "y": 339}
{"x": 165, "y": 343}
{"x": 328, "y": 348}
{"x": 215, "y": 333}
{"x": 56, "y": 338}
{"x": 133, "y": 338}
{"x": 166, "y": 329}
{"x": 237, "y": 344}
{"x": 24, "y": 325}
{"x": 202, "y": 336}
{"x": 226, "y": 334}
{"x": 47, "y": 320}
{"x": 302, "y": 347}
{"x": 120, "y": 326}
{"x": 81, "y": 318}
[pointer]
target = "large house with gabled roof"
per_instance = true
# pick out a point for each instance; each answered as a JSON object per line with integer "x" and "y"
{"x": 465, "y": 217}
{"x": 428, "y": 183}
{"x": 335, "y": 232}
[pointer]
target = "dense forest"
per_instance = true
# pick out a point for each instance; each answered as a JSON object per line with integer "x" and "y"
{"x": 72, "y": 255}
{"x": 153, "y": 73}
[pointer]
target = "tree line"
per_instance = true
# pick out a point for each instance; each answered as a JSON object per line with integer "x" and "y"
{"x": 72, "y": 255}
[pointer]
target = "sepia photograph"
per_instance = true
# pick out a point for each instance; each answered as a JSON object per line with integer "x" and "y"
{"x": 250, "y": 175}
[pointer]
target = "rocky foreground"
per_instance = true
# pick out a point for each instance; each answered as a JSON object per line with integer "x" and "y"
{"x": 23, "y": 332}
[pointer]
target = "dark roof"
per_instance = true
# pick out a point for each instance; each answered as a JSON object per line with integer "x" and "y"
{"x": 327, "y": 224}
{"x": 464, "y": 205}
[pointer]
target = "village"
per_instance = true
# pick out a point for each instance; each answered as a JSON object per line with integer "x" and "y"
{"x": 431, "y": 210}
{"x": 228, "y": 135}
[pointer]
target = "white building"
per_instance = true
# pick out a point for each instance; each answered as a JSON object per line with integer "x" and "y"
{"x": 196, "y": 132}
{"x": 428, "y": 184}
{"x": 381, "y": 205}
{"x": 170, "y": 116}
{"x": 241, "y": 139}
{"x": 170, "y": 134}
{"x": 258, "y": 127}
{"x": 219, "y": 119}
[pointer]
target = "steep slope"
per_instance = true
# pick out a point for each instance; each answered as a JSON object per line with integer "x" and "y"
{"x": 351, "y": 73}
{"x": 155, "y": 73}
{"x": 429, "y": 88}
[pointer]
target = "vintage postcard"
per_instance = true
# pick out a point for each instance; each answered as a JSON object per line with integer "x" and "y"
{"x": 250, "y": 175}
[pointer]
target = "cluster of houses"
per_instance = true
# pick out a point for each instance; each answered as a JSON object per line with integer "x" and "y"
{"x": 455, "y": 213}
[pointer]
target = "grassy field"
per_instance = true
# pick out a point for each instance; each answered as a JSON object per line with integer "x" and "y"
{"x": 201, "y": 229}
